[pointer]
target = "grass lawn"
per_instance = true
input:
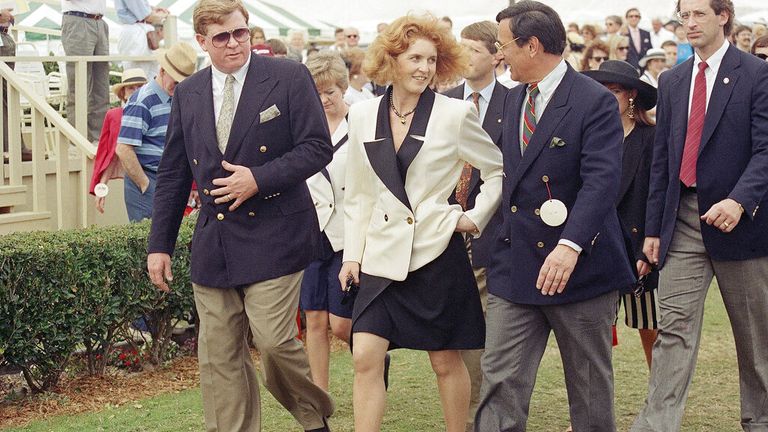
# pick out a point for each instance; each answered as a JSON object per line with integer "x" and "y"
{"x": 413, "y": 403}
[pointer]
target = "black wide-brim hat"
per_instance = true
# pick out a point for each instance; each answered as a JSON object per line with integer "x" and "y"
{"x": 624, "y": 74}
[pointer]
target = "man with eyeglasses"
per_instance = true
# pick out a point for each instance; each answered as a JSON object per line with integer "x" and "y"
{"x": 639, "y": 39}
{"x": 706, "y": 214}
{"x": 249, "y": 130}
{"x": 353, "y": 36}
{"x": 613, "y": 24}
{"x": 558, "y": 257}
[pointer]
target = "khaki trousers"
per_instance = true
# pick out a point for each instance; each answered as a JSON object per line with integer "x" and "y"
{"x": 228, "y": 379}
{"x": 472, "y": 357}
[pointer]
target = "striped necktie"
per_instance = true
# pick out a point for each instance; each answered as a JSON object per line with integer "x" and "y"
{"x": 695, "y": 127}
{"x": 529, "y": 116}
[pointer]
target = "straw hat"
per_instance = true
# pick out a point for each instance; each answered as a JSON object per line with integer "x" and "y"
{"x": 130, "y": 77}
{"x": 653, "y": 53}
{"x": 179, "y": 61}
{"x": 624, "y": 74}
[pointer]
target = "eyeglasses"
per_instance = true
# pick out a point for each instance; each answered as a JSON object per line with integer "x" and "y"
{"x": 600, "y": 59}
{"x": 220, "y": 40}
{"x": 762, "y": 56}
{"x": 500, "y": 46}
{"x": 622, "y": 48}
{"x": 353, "y": 36}
{"x": 697, "y": 16}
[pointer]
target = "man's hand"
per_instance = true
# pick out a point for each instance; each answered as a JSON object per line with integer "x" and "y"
{"x": 236, "y": 188}
{"x": 465, "y": 225}
{"x": 159, "y": 267}
{"x": 100, "y": 204}
{"x": 724, "y": 215}
{"x": 350, "y": 269}
{"x": 556, "y": 270}
{"x": 651, "y": 249}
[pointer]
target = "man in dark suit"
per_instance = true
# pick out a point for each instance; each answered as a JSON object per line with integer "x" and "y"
{"x": 706, "y": 214}
{"x": 481, "y": 88}
{"x": 559, "y": 257}
{"x": 249, "y": 130}
{"x": 639, "y": 39}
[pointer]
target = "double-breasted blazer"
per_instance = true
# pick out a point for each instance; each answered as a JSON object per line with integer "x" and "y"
{"x": 574, "y": 153}
{"x": 279, "y": 131}
{"x": 327, "y": 190}
{"x": 393, "y": 226}
{"x": 733, "y": 155}
{"x": 492, "y": 124}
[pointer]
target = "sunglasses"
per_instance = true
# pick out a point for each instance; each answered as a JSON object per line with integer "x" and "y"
{"x": 241, "y": 34}
{"x": 599, "y": 58}
{"x": 353, "y": 36}
{"x": 762, "y": 56}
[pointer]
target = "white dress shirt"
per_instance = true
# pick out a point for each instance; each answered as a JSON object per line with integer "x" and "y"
{"x": 713, "y": 63}
{"x": 483, "y": 101}
{"x": 547, "y": 87}
{"x": 217, "y": 84}
{"x": 94, "y": 7}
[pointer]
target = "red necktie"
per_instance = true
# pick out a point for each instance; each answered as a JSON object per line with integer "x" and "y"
{"x": 462, "y": 188}
{"x": 529, "y": 115}
{"x": 695, "y": 127}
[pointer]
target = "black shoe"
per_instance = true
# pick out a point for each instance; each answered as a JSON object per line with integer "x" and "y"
{"x": 386, "y": 371}
{"x": 325, "y": 427}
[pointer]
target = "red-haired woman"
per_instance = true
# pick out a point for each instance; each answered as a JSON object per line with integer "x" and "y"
{"x": 404, "y": 242}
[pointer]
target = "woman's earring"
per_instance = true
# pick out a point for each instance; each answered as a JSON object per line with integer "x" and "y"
{"x": 631, "y": 109}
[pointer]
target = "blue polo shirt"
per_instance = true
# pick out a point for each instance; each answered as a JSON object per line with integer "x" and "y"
{"x": 145, "y": 120}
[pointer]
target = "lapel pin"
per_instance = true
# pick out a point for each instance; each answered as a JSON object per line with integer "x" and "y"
{"x": 726, "y": 80}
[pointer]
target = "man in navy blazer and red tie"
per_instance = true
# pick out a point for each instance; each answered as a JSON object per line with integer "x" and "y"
{"x": 249, "y": 130}
{"x": 559, "y": 257}
{"x": 706, "y": 214}
{"x": 481, "y": 88}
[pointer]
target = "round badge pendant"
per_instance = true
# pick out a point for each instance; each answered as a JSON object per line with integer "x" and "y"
{"x": 101, "y": 190}
{"x": 553, "y": 212}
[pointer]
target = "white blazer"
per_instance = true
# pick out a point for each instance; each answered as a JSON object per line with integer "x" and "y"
{"x": 391, "y": 227}
{"x": 328, "y": 192}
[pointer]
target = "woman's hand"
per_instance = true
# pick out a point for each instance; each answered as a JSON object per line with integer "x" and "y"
{"x": 465, "y": 225}
{"x": 643, "y": 268}
{"x": 349, "y": 270}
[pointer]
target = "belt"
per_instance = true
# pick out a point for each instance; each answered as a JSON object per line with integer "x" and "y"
{"x": 685, "y": 188}
{"x": 84, "y": 15}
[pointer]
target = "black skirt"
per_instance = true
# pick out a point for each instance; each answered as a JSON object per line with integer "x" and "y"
{"x": 436, "y": 307}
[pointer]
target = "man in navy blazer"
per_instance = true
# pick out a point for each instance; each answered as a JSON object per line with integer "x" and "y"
{"x": 559, "y": 257}
{"x": 249, "y": 130}
{"x": 706, "y": 214}
{"x": 639, "y": 39}
{"x": 482, "y": 88}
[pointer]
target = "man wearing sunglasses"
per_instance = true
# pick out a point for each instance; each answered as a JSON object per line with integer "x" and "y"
{"x": 639, "y": 39}
{"x": 353, "y": 36}
{"x": 249, "y": 130}
{"x": 706, "y": 214}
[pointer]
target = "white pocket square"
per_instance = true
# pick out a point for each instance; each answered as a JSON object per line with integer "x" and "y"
{"x": 268, "y": 114}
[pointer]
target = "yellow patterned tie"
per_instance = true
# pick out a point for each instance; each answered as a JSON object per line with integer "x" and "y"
{"x": 227, "y": 113}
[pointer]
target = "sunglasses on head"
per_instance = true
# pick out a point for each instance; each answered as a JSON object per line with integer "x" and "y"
{"x": 762, "y": 56}
{"x": 241, "y": 34}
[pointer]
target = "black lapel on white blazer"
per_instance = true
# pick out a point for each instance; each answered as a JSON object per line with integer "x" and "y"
{"x": 412, "y": 145}
{"x": 381, "y": 154}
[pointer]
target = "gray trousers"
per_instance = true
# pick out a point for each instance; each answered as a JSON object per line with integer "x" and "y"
{"x": 683, "y": 285}
{"x": 516, "y": 337}
{"x": 87, "y": 37}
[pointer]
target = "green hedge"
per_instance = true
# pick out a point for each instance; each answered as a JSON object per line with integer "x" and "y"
{"x": 67, "y": 289}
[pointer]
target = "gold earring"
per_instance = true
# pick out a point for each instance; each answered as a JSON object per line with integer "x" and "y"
{"x": 631, "y": 110}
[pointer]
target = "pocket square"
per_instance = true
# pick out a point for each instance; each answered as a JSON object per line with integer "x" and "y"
{"x": 556, "y": 142}
{"x": 268, "y": 114}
